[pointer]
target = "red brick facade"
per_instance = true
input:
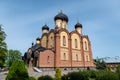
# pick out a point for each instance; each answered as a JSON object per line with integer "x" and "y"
{"x": 71, "y": 55}
{"x": 54, "y": 55}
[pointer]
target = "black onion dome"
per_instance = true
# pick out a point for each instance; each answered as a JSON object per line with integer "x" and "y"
{"x": 61, "y": 16}
{"x": 45, "y": 27}
{"x": 78, "y": 25}
{"x": 38, "y": 38}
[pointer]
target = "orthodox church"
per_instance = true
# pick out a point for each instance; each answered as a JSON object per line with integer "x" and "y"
{"x": 64, "y": 49}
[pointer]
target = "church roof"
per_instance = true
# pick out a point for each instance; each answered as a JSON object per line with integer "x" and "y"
{"x": 45, "y": 27}
{"x": 61, "y": 16}
{"x": 78, "y": 25}
{"x": 37, "y": 47}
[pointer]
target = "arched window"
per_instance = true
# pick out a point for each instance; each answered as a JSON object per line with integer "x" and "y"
{"x": 76, "y": 57}
{"x": 64, "y": 41}
{"x": 64, "y": 56}
{"x": 76, "y": 43}
{"x": 48, "y": 59}
{"x": 85, "y": 45}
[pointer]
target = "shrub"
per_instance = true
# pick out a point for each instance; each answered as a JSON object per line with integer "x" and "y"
{"x": 57, "y": 74}
{"x": 45, "y": 78}
{"x": 92, "y": 74}
{"x": 32, "y": 78}
{"x": 65, "y": 77}
{"x": 17, "y": 71}
{"x": 106, "y": 75}
{"x": 77, "y": 75}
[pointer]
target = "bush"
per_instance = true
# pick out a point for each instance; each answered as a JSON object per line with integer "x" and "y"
{"x": 65, "y": 77}
{"x": 45, "y": 78}
{"x": 32, "y": 78}
{"x": 17, "y": 72}
{"x": 77, "y": 76}
{"x": 106, "y": 75}
{"x": 91, "y": 75}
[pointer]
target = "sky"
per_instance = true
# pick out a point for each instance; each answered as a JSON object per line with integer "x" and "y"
{"x": 22, "y": 21}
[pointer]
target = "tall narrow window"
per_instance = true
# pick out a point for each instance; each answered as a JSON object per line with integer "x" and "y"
{"x": 86, "y": 57}
{"x": 51, "y": 41}
{"x": 76, "y": 43}
{"x": 85, "y": 45}
{"x": 64, "y": 56}
{"x": 64, "y": 41}
{"x": 76, "y": 57}
{"x": 48, "y": 59}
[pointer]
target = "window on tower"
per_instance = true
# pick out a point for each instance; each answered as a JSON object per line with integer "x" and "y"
{"x": 85, "y": 45}
{"x": 48, "y": 59}
{"x": 76, "y": 43}
{"x": 51, "y": 41}
{"x": 64, "y": 41}
{"x": 64, "y": 56}
{"x": 87, "y": 58}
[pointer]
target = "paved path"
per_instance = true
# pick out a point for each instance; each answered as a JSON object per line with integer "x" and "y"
{"x": 3, "y": 75}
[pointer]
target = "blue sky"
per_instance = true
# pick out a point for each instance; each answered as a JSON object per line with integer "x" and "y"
{"x": 22, "y": 21}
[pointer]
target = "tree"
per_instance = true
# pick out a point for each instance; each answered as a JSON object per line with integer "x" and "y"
{"x": 3, "y": 46}
{"x": 12, "y": 56}
{"x": 100, "y": 64}
{"x": 17, "y": 71}
{"x": 58, "y": 74}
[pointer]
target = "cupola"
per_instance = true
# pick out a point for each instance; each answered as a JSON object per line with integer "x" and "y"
{"x": 45, "y": 29}
{"x": 78, "y": 27}
{"x": 38, "y": 40}
{"x": 61, "y": 20}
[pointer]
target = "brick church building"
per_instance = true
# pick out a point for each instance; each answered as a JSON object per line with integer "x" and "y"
{"x": 64, "y": 49}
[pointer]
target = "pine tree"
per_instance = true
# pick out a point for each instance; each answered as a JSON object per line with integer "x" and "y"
{"x": 3, "y": 46}
{"x": 17, "y": 71}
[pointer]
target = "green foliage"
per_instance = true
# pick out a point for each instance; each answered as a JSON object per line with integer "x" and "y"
{"x": 109, "y": 68}
{"x": 32, "y": 78}
{"x": 65, "y": 77}
{"x": 3, "y": 46}
{"x": 17, "y": 71}
{"x": 81, "y": 75}
{"x": 100, "y": 64}
{"x": 12, "y": 56}
{"x": 118, "y": 71}
{"x": 45, "y": 78}
{"x": 57, "y": 74}
{"x": 106, "y": 75}
{"x": 91, "y": 75}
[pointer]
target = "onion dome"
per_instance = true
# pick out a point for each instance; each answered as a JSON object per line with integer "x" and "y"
{"x": 78, "y": 25}
{"x": 45, "y": 27}
{"x": 61, "y": 16}
{"x": 37, "y": 39}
